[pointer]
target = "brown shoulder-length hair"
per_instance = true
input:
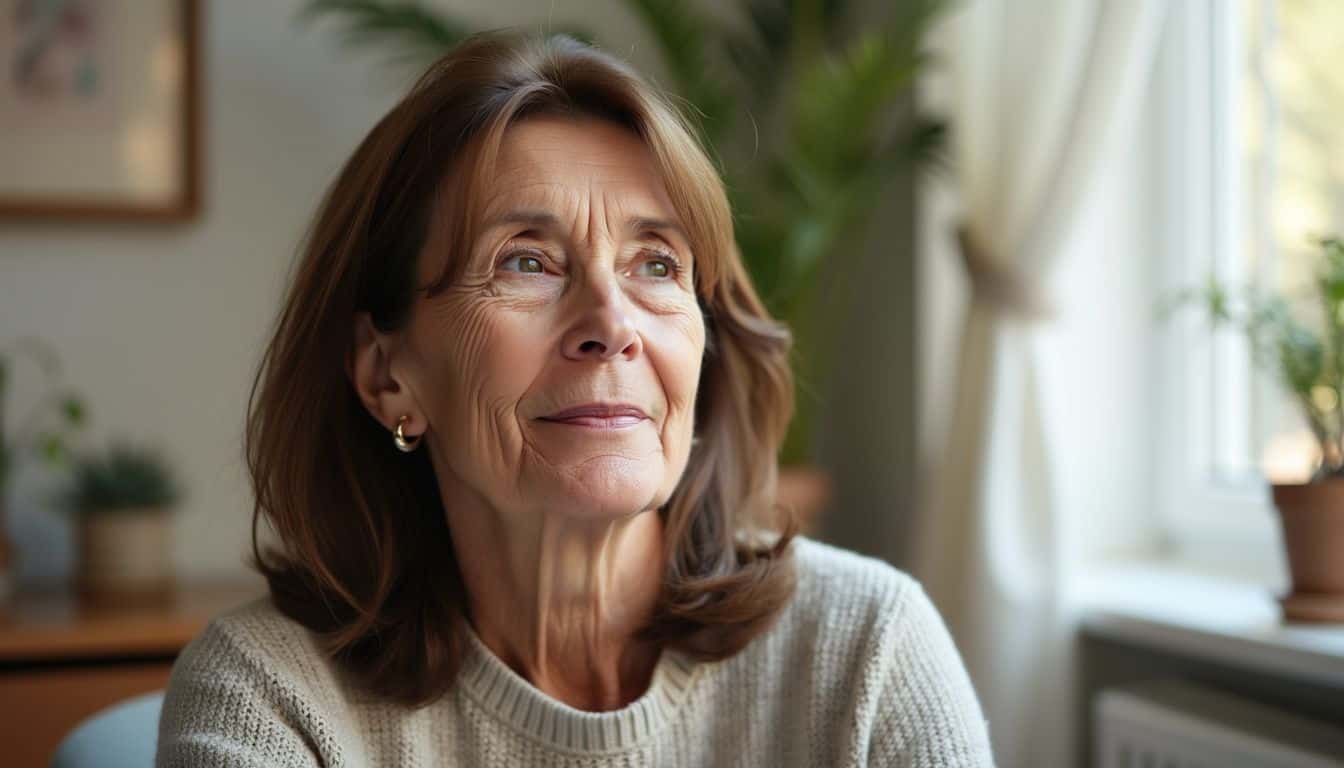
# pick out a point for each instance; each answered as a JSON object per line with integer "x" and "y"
{"x": 363, "y": 553}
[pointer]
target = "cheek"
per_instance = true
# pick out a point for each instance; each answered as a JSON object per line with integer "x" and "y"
{"x": 678, "y": 348}
{"x": 489, "y": 357}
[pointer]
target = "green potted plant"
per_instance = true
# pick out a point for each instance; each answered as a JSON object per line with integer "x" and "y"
{"x": 44, "y": 430}
{"x": 1305, "y": 348}
{"x": 801, "y": 105}
{"x": 122, "y": 500}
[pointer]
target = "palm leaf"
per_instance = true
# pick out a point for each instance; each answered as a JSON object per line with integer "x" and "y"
{"x": 927, "y": 144}
{"x": 684, "y": 38}
{"x": 418, "y": 33}
{"x": 759, "y": 50}
{"x": 761, "y": 47}
{"x": 415, "y": 32}
{"x": 823, "y": 179}
{"x": 843, "y": 102}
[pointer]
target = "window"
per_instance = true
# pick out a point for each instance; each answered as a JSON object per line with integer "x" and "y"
{"x": 1252, "y": 108}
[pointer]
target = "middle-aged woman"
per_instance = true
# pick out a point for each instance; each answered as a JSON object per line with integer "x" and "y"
{"x": 513, "y": 442}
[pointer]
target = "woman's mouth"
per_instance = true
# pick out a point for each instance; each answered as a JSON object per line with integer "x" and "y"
{"x": 599, "y": 416}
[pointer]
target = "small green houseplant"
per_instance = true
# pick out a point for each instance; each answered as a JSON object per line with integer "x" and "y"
{"x": 122, "y": 500}
{"x": 1302, "y": 342}
{"x": 44, "y": 430}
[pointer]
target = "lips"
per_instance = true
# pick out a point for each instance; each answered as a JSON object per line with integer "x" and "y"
{"x": 599, "y": 415}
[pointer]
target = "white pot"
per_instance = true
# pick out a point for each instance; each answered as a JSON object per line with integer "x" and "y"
{"x": 125, "y": 550}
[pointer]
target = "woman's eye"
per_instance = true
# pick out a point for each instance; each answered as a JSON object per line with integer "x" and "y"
{"x": 661, "y": 266}
{"x": 525, "y": 263}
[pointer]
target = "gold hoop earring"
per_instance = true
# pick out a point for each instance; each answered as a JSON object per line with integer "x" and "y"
{"x": 399, "y": 438}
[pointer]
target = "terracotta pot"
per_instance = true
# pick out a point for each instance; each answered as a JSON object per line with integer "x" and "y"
{"x": 1312, "y": 516}
{"x": 125, "y": 552}
{"x": 806, "y": 490}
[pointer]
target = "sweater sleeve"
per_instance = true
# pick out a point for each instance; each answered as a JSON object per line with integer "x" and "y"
{"x": 926, "y": 714}
{"x": 222, "y": 708}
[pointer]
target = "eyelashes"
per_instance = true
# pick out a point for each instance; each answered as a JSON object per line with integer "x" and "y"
{"x": 535, "y": 261}
{"x": 674, "y": 264}
{"x": 524, "y": 255}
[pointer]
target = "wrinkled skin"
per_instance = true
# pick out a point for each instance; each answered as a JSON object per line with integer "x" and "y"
{"x": 555, "y": 523}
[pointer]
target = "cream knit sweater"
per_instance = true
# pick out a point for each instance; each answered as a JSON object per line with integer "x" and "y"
{"x": 859, "y": 671}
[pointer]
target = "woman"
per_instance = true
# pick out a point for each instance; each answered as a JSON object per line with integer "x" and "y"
{"x": 515, "y": 436}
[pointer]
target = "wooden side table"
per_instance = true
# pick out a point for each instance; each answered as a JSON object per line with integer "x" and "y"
{"x": 62, "y": 658}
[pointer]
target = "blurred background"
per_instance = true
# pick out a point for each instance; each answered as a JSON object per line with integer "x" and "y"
{"x": 1065, "y": 278}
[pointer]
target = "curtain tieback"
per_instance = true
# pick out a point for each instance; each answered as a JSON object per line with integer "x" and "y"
{"x": 998, "y": 285}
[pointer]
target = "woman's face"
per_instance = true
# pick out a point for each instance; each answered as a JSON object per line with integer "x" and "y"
{"x": 560, "y": 377}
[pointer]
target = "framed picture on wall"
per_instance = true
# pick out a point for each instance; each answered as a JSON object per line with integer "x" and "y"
{"x": 99, "y": 113}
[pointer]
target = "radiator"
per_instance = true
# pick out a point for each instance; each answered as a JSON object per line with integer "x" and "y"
{"x": 1172, "y": 724}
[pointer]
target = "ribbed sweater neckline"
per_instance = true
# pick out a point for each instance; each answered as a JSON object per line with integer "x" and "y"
{"x": 505, "y": 694}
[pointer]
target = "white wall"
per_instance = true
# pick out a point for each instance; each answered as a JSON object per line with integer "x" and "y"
{"x": 161, "y": 327}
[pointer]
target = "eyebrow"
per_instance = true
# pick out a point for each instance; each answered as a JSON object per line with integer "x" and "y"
{"x": 541, "y": 219}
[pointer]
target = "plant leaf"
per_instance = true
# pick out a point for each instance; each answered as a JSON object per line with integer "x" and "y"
{"x": 51, "y": 447}
{"x": 759, "y": 51}
{"x": 1301, "y": 359}
{"x": 682, "y": 35}
{"x": 421, "y": 32}
{"x": 843, "y": 101}
{"x": 73, "y": 410}
{"x": 125, "y": 476}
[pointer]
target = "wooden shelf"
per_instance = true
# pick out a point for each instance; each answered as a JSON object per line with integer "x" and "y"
{"x": 64, "y": 657}
{"x": 63, "y": 625}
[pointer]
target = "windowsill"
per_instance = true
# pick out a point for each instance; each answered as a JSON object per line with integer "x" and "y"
{"x": 1173, "y": 608}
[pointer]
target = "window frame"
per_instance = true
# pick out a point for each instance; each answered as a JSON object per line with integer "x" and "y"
{"x": 1205, "y": 516}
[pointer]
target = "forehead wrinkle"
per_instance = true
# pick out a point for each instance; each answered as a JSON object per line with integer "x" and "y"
{"x": 503, "y": 203}
{"x": 647, "y": 182}
{"x": 594, "y": 219}
{"x": 611, "y": 183}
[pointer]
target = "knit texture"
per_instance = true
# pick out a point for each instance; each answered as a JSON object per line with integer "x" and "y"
{"x": 858, "y": 671}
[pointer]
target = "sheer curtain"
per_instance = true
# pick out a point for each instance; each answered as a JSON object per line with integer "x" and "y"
{"x": 1041, "y": 89}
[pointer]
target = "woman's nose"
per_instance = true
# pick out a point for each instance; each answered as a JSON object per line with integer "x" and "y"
{"x": 605, "y": 329}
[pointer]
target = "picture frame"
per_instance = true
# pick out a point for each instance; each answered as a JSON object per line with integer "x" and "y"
{"x": 100, "y": 109}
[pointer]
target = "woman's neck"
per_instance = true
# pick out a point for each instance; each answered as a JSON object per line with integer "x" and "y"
{"x": 560, "y": 600}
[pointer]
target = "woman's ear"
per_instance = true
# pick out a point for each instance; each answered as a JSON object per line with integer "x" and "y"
{"x": 368, "y": 365}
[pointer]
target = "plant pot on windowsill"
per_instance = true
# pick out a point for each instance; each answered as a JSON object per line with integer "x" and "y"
{"x": 1312, "y": 516}
{"x": 123, "y": 503}
{"x": 1306, "y": 351}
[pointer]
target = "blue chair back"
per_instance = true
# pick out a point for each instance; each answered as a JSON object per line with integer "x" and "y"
{"x": 122, "y": 736}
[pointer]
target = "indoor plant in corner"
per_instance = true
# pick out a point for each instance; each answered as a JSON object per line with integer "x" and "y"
{"x": 1308, "y": 357}
{"x": 123, "y": 500}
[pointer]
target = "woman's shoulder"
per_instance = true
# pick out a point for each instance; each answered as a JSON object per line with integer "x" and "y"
{"x": 858, "y": 605}
{"x": 256, "y": 632}
{"x": 841, "y": 580}
{"x": 867, "y": 644}
{"x": 253, "y": 683}
{"x": 255, "y": 642}
{"x": 876, "y": 642}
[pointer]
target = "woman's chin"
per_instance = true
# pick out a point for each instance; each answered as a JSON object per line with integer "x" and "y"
{"x": 608, "y": 488}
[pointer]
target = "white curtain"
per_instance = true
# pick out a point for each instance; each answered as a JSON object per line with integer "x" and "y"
{"x": 1041, "y": 90}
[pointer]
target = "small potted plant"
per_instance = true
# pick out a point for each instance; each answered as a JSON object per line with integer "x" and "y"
{"x": 1308, "y": 358}
{"x": 123, "y": 501}
{"x": 44, "y": 430}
